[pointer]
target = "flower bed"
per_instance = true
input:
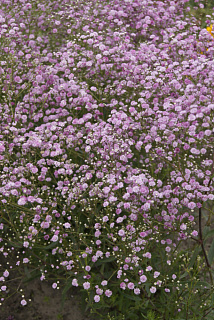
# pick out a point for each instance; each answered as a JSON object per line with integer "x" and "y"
{"x": 106, "y": 154}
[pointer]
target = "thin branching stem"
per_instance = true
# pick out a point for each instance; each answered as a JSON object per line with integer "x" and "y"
{"x": 203, "y": 248}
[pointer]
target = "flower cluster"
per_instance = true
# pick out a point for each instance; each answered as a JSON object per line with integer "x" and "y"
{"x": 106, "y": 141}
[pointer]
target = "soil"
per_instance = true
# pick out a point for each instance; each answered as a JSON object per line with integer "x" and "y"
{"x": 45, "y": 304}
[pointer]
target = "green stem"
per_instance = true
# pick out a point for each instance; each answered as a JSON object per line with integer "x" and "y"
{"x": 203, "y": 248}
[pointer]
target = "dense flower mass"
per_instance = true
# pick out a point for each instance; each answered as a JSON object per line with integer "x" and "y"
{"x": 106, "y": 145}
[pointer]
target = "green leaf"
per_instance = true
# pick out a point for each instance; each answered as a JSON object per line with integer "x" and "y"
{"x": 185, "y": 274}
{"x": 120, "y": 303}
{"x": 212, "y": 300}
{"x": 67, "y": 286}
{"x": 50, "y": 246}
{"x": 203, "y": 284}
{"x": 102, "y": 268}
{"x": 101, "y": 261}
{"x": 194, "y": 256}
{"x": 147, "y": 286}
{"x": 206, "y": 231}
{"x": 211, "y": 253}
{"x": 97, "y": 305}
{"x": 209, "y": 234}
{"x": 64, "y": 291}
{"x": 16, "y": 244}
{"x": 130, "y": 297}
{"x": 27, "y": 271}
{"x": 31, "y": 276}
{"x": 210, "y": 316}
{"x": 162, "y": 298}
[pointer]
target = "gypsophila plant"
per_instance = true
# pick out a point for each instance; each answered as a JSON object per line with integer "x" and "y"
{"x": 107, "y": 154}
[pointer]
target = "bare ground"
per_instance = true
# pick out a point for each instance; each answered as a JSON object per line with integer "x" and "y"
{"x": 45, "y": 304}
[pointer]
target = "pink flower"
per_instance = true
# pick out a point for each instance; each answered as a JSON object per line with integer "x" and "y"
{"x": 97, "y": 234}
{"x": 22, "y": 201}
{"x": 39, "y": 78}
{"x": 2, "y": 148}
{"x": 156, "y": 274}
{"x": 146, "y": 206}
{"x": 88, "y": 268}
{"x": 153, "y": 289}
{"x": 55, "y": 238}
{"x": 194, "y": 233}
{"x": 148, "y": 147}
{"x": 138, "y": 145}
{"x": 31, "y": 199}
{"x": 63, "y": 103}
{"x": 208, "y": 132}
{"x": 121, "y": 233}
{"x": 23, "y": 302}
{"x": 96, "y": 298}
{"x": 108, "y": 293}
{"x": 147, "y": 255}
{"x": 67, "y": 225}
{"x": 136, "y": 291}
{"x": 6, "y": 274}
{"x": 131, "y": 285}
{"x": 105, "y": 219}
{"x": 106, "y": 190}
{"x": 183, "y": 226}
{"x": 54, "y": 285}
{"x": 123, "y": 285}
{"x": 74, "y": 283}
{"x": 149, "y": 268}
{"x": 99, "y": 291}
{"x": 191, "y": 205}
{"x": 143, "y": 278}
{"x": 99, "y": 253}
{"x": 45, "y": 225}
{"x": 143, "y": 234}
{"x": 3, "y": 288}
{"x": 194, "y": 151}
{"x": 86, "y": 285}
{"x": 126, "y": 205}
{"x": 94, "y": 259}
